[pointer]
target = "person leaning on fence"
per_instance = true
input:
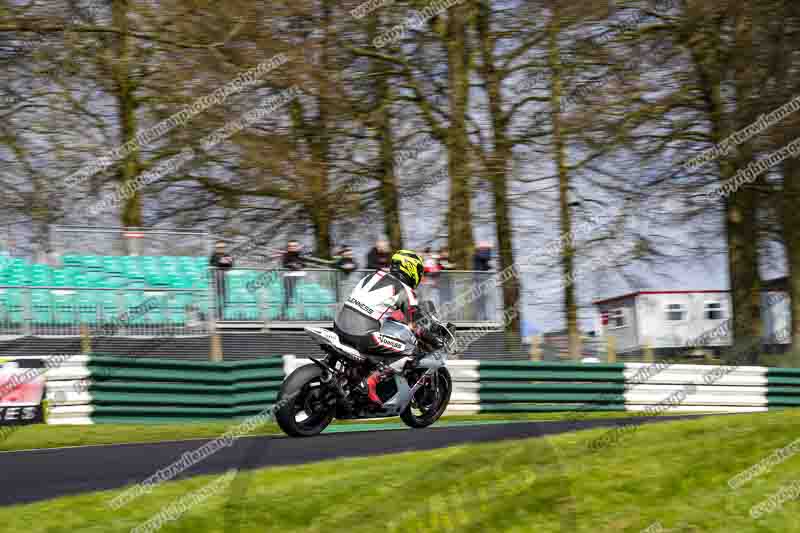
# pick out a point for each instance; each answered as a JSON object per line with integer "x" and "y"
{"x": 379, "y": 256}
{"x": 481, "y": 264}
{"x": 293, "y": 262}
{"x": 445, "y": 279}
{"x": 220, "y": 261}
{"x": 344, "y": 261}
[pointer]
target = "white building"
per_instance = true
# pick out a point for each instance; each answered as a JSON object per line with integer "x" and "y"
{"x": 669, "y": 320}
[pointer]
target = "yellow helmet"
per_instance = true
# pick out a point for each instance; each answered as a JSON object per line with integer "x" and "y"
{"x": 408, "y": 266}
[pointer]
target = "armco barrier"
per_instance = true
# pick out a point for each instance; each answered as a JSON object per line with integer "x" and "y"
{"x": 156, "y": 390}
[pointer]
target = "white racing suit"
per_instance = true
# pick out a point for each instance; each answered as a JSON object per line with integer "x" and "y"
{"x": 378, "y": 316}
{"x": 377, "y": 320}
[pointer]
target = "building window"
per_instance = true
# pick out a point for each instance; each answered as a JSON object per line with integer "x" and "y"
{"x": 616, "y": 318}
{"x": 676, "y": 312}
{"x": 713, "y": 311}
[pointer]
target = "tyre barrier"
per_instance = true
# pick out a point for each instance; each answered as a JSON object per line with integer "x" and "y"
{"x": 106, "y": 389}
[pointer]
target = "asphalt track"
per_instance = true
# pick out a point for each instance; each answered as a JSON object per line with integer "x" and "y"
{"x": 42, "y": 474}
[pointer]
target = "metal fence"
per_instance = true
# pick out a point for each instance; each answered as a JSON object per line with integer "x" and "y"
{"x": 69, "y": 311}
{"x": 109, "y": 241}
{"x": 278, "y": 295}
{"x": 192, "y": 300}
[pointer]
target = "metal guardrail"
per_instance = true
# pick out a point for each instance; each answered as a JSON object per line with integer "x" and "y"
{"x": 279, "y": 295}
{"x": 245, "y": 295}
{"x": 64, "y": 311}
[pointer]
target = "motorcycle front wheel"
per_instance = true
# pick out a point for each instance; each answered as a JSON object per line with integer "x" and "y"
{"x": 303, "y": 409}
{"x": 429, "y": 402}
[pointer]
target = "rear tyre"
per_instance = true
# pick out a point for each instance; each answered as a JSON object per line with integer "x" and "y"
{"x": 303, "y": 401}
{"x": 429, "y": 403}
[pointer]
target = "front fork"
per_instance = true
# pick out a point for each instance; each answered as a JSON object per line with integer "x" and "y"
{"x": 430, "y": 377}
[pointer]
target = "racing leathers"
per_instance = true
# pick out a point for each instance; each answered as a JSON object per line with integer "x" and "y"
{"x": 376, "y": 314}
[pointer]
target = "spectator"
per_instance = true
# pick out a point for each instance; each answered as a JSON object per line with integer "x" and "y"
{"x": 444, "y": 259}
{"x": 430, "y": 264}
{"x": 483, "y": 257}
{"x": 482, "y": 263}
{"x": 220, "y": 262}
{"x": 293, "y": 262}
{"x": 431, "y": 261}
{"x": 445, "y": 279}
{"x": 379, "y": 256}
{"x": 345, "y": 262}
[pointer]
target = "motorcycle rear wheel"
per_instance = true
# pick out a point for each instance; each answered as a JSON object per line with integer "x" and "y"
{"x": 303, "y": 411}
{"x": 428, "y": 405}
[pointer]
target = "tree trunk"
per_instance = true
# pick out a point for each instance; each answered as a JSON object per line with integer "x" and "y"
{"x": 742, "y": 212}
{"x": 131, "y": 214}
{"x": 790, "y": 215}
{"x": 565, "y": 215}
{"x": 740, "y": 207}
{"x": 460, "y": 239}
{"x": 390, "y": 201}
{"x": 498, "y": 163}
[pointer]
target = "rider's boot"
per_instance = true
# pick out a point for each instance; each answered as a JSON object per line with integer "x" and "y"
{"x": 383, "y": 372}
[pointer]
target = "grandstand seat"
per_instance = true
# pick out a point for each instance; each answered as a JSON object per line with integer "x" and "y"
{"x": 39, "y": 275}
{"x": 157, "y": 280}
{"x": 293, "y": 312}
{"x": 111, "y": 263}
{"x": 60, "y": 278}
{"x": 169, "y": 264}
{"x": 108, "y": 302}
{"x": 87, "y": 306}
{"x": 241, "y": 296}
{"x": 200, "y": 282}
{"x": 11, "y": 305}
{"x": 65, "y": 306}
{"x": 243, "y": 312}
{"x": 81, "y": 281}
{"x": 72, "y": 261}
{"x": 41, "y": 306}
{"x": 91, "y": 262}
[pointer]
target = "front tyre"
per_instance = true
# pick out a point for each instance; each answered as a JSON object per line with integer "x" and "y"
{"x": 429, "y": 402}
{"x": 304, "y": 403}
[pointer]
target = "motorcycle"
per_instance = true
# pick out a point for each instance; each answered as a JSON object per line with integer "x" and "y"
{"x": 416, "y": 387}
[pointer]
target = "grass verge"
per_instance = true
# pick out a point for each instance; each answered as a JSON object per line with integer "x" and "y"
{"x": 666, "y": 477}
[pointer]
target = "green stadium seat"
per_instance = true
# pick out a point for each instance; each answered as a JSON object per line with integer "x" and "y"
{"x": 87, "y": 306}
{"x": 92, "y": 262}
{"x": 293, "y": 312}
{"x": 60, "y": 278}
{"x": 112, "y": 263}
{"x": 72, "y": 261}
{"x": 176, "y": 317}
{"x": 199, "y": 282}
{"x": 157, "y": 280}
{"x": 243, "y": 312}
{"x": 65, "y": 306}
{"x": 241, "y": 296}
{"x": 41, "y": 306}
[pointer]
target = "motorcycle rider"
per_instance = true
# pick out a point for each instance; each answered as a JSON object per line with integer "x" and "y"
{"x": 382, "y": 309}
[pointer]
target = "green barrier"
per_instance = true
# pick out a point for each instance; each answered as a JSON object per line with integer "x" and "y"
{"x": 133, "y": 389}
{"x": 532, "y": 386}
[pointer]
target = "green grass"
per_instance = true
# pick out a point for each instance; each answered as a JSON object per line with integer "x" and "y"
{"x": 673, "y": 473}
{"x": 47, "y": 436}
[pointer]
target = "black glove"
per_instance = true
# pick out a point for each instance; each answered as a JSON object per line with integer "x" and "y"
{"x": 427, "y": 336}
